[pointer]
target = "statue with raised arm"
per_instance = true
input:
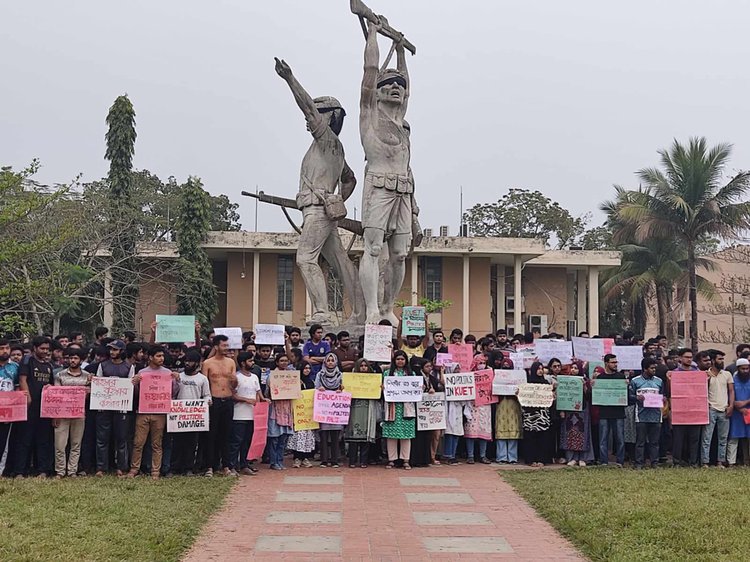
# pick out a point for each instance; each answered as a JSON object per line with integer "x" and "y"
{"x": 388, "y": 199}
{"x": 324, "y": 171}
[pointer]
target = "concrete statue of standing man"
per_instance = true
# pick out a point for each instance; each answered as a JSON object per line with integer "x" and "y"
{"x": 324, "y": 169}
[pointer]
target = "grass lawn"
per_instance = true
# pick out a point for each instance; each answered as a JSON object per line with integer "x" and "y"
{"x": 663, "y": 514}
{"x": 105, "y": 518}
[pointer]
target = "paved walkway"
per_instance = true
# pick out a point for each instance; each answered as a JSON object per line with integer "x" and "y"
{"x": 439, "y": 513}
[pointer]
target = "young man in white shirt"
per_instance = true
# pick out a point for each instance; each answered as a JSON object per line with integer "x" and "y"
{"x": 720, "y": 408}
{"x": 246, "y": 395}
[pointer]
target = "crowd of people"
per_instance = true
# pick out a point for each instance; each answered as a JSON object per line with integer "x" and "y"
{"x": 129, "y": 443}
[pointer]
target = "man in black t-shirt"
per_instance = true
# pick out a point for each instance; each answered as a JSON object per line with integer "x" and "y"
{"x": 611, "y": 418}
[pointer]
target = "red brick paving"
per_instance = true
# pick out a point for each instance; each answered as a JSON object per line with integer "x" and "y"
{"x": 377, "y": 520}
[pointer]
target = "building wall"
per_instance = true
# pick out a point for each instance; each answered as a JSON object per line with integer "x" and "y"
{"x": 453, "y": 279}
{"x": 240, "y": 291}
{"x": 545, "y": 291}
{"x": 480, "y": 297}
{"x": 156, "y": 296}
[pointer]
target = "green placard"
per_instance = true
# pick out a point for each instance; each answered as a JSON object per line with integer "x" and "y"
{"x": 569, "y": 393}
{"x": 413, "y": 321}
{"x": 593, "y": 365}
{"x": 610, "y": 392}
{"x": 175, "y": 329}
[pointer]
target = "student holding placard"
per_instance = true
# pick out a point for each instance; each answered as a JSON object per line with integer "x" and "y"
{"x": 69, "y": 432}
{"x": 364, "y": 417}
{"x": 302, "y": 442}
{"x": 508, "y": 417}
{"x": 399, "y": 427}
{"x": 611, "y": 417}
{"x": 575, "y": 425}
{"x": 193, "y": 386}
{"x": 438, "y": 346}
{"x": 642, "y": 390}
{"x": 8, "y": 383}
{"x": 280, "y": 419}
{"x": 329, "y": 378}
{"x": 538, "y": 440}
{"x": 421, "y": 448}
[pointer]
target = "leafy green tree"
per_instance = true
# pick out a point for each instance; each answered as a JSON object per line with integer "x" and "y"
{"x": 196, "y": 291}
{"x": 525, "y": 214}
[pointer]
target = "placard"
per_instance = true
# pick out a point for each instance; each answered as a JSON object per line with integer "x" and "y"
{"x": 285, "y": 385}
{"x": 483, "y": 381}
{"x": 13, "y": 407}
{"x": 528, "y": 356}
{"x": 443, "y": 359}
{"x": 155, "y": 394}
{"x": 506, "y": 381}
{"x": 111, "y": 394}
{"x": 608, "y": 343}
{"x": 260, "y": 431}
{"x": 463, "y": 354}
{"x": 592, "y": 367}
{"x": 363, "y": 385}
{"x": 234, "y": 335}
{"x": 269, "y": 334}
{"x": 532, "y": 395}
{"x": 175, "y": 329}
{"x": 653, "y": 400}
{"x": 689, "y": 398}
{"x": 431, "y": 412}
{"x": 332, "y": 407}
{"x": 413, "y": 321}
{"x": 378, "y": 343}
{"x": 65, "y": 402}
{"x": 460, "y": 386}
{"x": 187, "y": 415}
{"x": 588, "y": 349}
{"x": 629, "y": 357}
{"x": 546, "y": 350}
{"x": 402, "y": 389}
{"x": 569, "y": 393}
{"x": 609, "y": 392}
{"x": 302, "y": 410}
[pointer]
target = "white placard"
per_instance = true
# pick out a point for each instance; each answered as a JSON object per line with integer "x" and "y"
{"x": 402, "y": 389}
{"x": 187, "y": 416}
{"x": 460, "y": 386}
{"x": 551, "y": 349}
{"x": 269, "y": 334}
{"x": 378, "y": 343}
{"x": 536, "y": 395}
{"x": 113, "y": 394}
{"x": 431, "y": 412}
{"x": 234, "y": 335}
{"x": 588, "y": 349}
{"x": 506, "y": 381}
{"x": 629, "y": 357}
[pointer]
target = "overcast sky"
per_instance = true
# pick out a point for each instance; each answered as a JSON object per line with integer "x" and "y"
{"x": 564, "y": 97}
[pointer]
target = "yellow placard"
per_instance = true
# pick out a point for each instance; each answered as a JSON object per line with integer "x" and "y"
{"x": 363, "y": 385}
{"x": 303, "y": 411}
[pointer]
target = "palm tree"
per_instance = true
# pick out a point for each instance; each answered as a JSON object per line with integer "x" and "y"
{"x": 686, "y": 202}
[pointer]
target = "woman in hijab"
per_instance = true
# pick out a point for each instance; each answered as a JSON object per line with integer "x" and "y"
{"x": 363, "y": 422}
{"x": 329, "y": 378}
{"x": 399, "y": 427}
{"x": 421, "y": 453}
{"x": 508, "y": 418}
{"x": 537, "y": 425}
{"x": 575, "y": 427}
{"x": 302, "y": 443}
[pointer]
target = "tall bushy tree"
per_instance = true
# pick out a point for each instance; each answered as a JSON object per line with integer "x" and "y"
{"x": 120, "y": 138}
{"x": 196, "y": 290}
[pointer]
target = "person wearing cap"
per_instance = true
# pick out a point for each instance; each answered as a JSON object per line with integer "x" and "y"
{"x": 739, "y": 428}
{"x": 109, "y": 421}
{"x": 323, "y": 169}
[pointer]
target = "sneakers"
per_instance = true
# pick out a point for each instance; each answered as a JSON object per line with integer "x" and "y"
{"x": 485, "y": 460}
{"x": 582, "y": 463}
{"x": 209, "y": 473}
{"x": 232, "y": 473}
{"x": 470, "y": 461}
{"x": 247, "y": 472}
{"x": 306, "y": 463}
{"x": 572, "y": 463}
{"x": 297, "y": 463}
{"x": 277, "y": 467}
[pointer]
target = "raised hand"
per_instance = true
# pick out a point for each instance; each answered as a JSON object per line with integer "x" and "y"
{"x": 283, "y": 69}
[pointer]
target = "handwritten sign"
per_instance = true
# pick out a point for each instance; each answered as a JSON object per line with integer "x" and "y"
{"x": 506, "y": 381}
{"x": 155, "y": 394}
{"x": 609, "y": 392}
{"x": 269, "y": 334}
{"x": 260, "y": 431}
{"x": 66, "y": 402}
{"x": 629, "y": 357}
{"x": 443, "y": 359}
{"x": 588, "y": 349}
{"x": 413, "y": 321}
{"x": 653, "y": 400}
{"x": 460, "y": 386}
{"x": 431, "y": 412}
{"x": 363, "y": 385}
{"x": 463, "y": 354}
{"x": 285, "y": 385}
{"x": 234, "y": 335}
{"x": 546, "y": 350}
{"x": 187, "y": 416}
{"x": 569, "y": 393}
{"x": 174, "y": 329}
{"x": 402, "y": 389}
{"x": 535, "y": 395}
{"x": 12, "y": 407}
{"x": 111, "y": 394}
{"x": 332, "y": 407}
{"x": 689, "y": 398}
{"x": 527, "y": 358}
{"x": 483, "y": 383}
{"x": 378, "y": 343}
{"x": 302, "y": 410}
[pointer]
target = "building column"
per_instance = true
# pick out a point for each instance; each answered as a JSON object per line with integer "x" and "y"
{"x": 108, "y": 308}
{"x": 593, "y": 325}
{"x": 256, "y": 287}
{"x": 500, "y": 297}
{"x": 581, "y": 301}
{"x": 414, "y": 280}
{"x": 517, "y": 295}
{"x": 465, "y": 290}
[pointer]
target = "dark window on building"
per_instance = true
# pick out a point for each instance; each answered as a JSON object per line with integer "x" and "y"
{"x": 433, "y": 278}
{"x": 285, "y": 280}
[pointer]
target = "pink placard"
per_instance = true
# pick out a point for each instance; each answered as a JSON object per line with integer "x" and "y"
{"x": 608, "y": 343}
{"x": 260, "y": 431}
{"x": 443, "y": 359}
{"x": 332, "y": 407}
{"x": 653, "y": 400}
{"x": 483, "y": 383}
{"x": 12, "y": 407}
{"x": 463, "y": 354}
{"x": 67, "y": 402}
{"x": 155, "y": 394}
{"x": 689, "y": 400}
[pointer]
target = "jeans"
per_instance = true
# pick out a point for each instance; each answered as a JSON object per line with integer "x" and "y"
{"x": 87, "y": 462}
{"x": 643, "y": 432}
{"x": 4, "y": 432}
{"x": 720, "y": 421}
{"x": 507, "y": 450}
{"x": 683, "y": 435}
{"x": 277, "y": 447}
{"x": 665, "y": 440}
{"x": 106, "y": 422}
{"x": 617, "y": 428}
{"x": 470, "y": 449}
{"x": 68, "y": 431}
{"x": 220, "y": 413}
{"x": 450, "y": 444}
{"x": 242, "y": 434}
{"x": 167, "y": 444}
